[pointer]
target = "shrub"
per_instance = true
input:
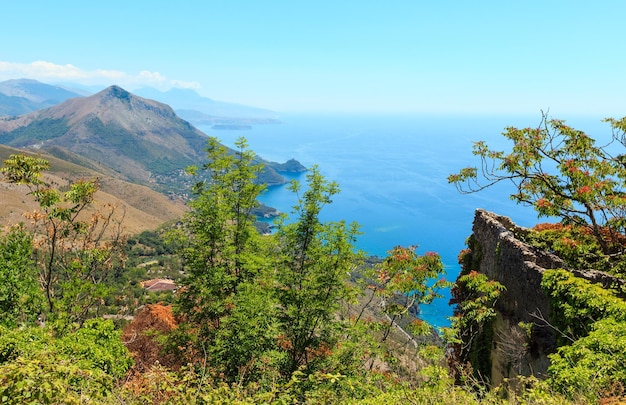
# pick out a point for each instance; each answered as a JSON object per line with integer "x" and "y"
{"x": 594, "y": 365}
{"x": 82, "y": 366}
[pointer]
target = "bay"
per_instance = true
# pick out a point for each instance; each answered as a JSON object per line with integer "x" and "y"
{"x": 392, "y": 173}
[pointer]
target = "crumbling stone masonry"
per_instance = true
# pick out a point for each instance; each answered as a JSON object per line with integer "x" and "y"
{"x": 519, "y": 267}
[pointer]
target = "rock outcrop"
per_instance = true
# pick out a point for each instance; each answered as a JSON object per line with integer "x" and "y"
{"x": 498, "y": 252}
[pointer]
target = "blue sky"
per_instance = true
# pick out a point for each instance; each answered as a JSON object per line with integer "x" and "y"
{"x": 476, "y": 57}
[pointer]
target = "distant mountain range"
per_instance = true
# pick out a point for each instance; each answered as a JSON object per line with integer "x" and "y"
{"x": 133, "y": 138}
{"x": 199, "y": 110}
{"x": 21, "y": 96}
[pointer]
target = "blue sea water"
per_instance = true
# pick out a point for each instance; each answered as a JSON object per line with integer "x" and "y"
{"x": 392, "y": 174}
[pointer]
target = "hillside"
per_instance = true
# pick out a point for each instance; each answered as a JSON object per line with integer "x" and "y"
{"x": 141, "y": 140}
{"x": 138, "y": 138}
{"x": 144, "y": 208}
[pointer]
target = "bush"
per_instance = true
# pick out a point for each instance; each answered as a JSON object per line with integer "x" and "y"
{"x": 594, "y": 365}
{"x": 577, "y": 303}
{"x": 51, "y": 379}
{"x": 37, "y": 367}
{"x": 97, "y": 345}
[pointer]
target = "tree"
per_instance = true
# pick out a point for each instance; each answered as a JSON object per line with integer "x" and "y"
{"x": 223, "y": 255}
{"x": 20, "y": 295}
{"x": 74, "y": 251}
{"x": 314, "y": 262}
{"x": 258, "y": 306}
{"x": 264, "y": 309}
{"x": 560, "y": 172}
{"x": 591, "y": 321}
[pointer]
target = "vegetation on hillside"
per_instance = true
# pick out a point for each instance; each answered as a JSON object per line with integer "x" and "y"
{"x": 269, "y": 313}
{"x": 298, "y": 316}
{"x": 71, "y": 252}
{"x": 124, "y": 135}
{"x": 41, "y": 131}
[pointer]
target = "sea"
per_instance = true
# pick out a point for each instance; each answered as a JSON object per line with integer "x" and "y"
{"x": 392, "y": 172}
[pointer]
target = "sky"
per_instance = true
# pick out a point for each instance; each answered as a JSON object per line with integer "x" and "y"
{"x": 410, "y": 56}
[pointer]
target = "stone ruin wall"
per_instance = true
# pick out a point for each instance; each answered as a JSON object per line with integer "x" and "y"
{"x": 519, "y": 267}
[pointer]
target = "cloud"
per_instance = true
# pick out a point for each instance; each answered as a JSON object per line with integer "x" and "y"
{"x": 52, "y": 72}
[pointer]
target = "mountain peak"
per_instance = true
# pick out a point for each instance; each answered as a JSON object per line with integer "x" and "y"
{"x": 116, "y": 102}
{"x": 141, "y": 138}
{"x": 115, "y": 92}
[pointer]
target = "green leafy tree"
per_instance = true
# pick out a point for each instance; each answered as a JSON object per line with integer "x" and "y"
{"x": 577, "y": 303}
{"x": 74, "y": 251}
{"x": 260, "y": 306}
{"x": 223, "y": 257}
{"x": 244, "y": 349}
{"x": 314, "y": 260}
{"x": 20, "y": 296}
{"x": 266, "y": 309}
{"x": 560, "y": 172}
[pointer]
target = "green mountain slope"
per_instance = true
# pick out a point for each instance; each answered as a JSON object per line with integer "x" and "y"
{"x": 141, "y": 140}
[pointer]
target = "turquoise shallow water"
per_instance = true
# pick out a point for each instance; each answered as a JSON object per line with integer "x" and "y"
{"x": 392, "y": 173}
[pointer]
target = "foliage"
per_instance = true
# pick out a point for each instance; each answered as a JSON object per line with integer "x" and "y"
{"x": 591, "y": 321}
{"x": 577, "y": 303}
{"x": 20, "y": 296}
{"x": 245, "y": 347}
{"x": 313, "y": 263}
{"x": 23, "y": 341}
{"x": 50, "y": 380}
{"x": 97, "y": 344}
{"x": 37, "y": 367}
{"x": 39, "y": 130}
{"x": 146, "y": 335}
{"x": 222, "y": 253}
{"x": 161, "y": 386}
{"x": 576, "y": 246}
{"x": 471, "y": 333}
{"x": 560, "y": 172}
{"x": 262, "y": 311}
{"x": 261, "y": 319}
{"x": 404, "y": 281}
{"x": 594, "y": 365}
{"x": 477, "y": 307}
{"x": 72, "y": 254}
{"x": 152, "y": 241}
{"x": 472, "y": 322}
{"x": 260, "y": 308}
